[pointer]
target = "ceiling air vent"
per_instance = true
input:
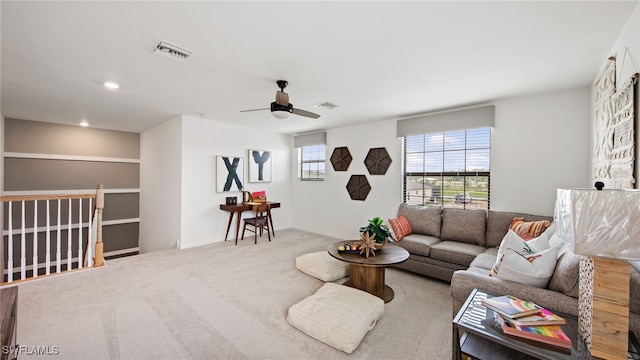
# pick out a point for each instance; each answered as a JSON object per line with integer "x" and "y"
{"x": 172, "y": 52}
{"x": 326, "y": 105}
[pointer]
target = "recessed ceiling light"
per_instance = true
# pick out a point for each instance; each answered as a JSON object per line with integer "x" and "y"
{"x": 84, "y": 123}
{"x": 111, "y": 85}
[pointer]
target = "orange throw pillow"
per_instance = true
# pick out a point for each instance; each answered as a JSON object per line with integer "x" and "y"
{"x": 400, "y": 227}
{"x": 528, "y": 230}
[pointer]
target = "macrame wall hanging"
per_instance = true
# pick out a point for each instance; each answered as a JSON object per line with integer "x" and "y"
{"x": 613, "y": 164}
{"x": 613, "y": 132}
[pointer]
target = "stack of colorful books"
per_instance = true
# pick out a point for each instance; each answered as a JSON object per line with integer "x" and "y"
{"x": 530, "y": 322}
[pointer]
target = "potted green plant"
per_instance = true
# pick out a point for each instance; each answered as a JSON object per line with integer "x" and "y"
{"x": 378, "y": 228}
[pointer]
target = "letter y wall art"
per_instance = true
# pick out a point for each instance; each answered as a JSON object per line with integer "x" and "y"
{"x": 259, "y": 166}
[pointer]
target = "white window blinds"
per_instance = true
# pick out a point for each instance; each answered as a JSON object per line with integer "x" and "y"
{"x": 480, "y": 117}
{"x": 316, "y": 138}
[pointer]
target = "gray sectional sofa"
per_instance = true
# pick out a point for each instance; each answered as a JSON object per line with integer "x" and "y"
{"x": 461, "y": 246}
{"x": 446, "y": 240}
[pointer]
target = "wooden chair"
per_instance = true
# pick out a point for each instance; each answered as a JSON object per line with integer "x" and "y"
{"x": 259, "y": 222}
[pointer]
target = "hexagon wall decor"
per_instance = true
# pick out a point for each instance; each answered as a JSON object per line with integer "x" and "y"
{"x": 341, "y": 158}
{"x": 377, "y": 161}
{"x": 358, "y": 187}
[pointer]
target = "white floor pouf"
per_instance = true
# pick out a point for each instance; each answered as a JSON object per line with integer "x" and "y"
{"x": 323, "y": 266}
{"x": 337, "y": 315}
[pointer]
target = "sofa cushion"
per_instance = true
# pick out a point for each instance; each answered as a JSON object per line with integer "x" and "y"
{"x": 418, "y": 244}
{"x": 456, "y": 252}
{"x": 423, "y": 220}
{"x": 484, "y": 261}
{"x": 528, "y": 229}
{"x": 498, "y": 224}
{"x": 464, "y": 225}
{"x": 400, "y": 227}
{"x": 567, "y": 272}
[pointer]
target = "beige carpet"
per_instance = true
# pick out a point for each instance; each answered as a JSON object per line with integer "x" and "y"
{"x": 218, "y": 301}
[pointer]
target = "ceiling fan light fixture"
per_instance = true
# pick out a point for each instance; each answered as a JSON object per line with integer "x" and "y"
{"x": 280, "y": 114}
{"x": 282, "y": 108}
{"x": 280, "y": 111}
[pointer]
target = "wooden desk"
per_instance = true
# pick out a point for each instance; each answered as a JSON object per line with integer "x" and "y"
{"x": 239, "y": 209}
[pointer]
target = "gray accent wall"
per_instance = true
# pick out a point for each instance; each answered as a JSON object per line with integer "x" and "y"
{"x": 47, "y": 138}
{"x": 45, "y": 174}
{"x": 45, "y": 157}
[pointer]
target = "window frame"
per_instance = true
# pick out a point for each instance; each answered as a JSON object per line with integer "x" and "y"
{"x": 320, "y": 160}
{"x": 464, "y": 175}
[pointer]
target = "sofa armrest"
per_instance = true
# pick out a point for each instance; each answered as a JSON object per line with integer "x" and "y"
{"x": 464, "y": 281}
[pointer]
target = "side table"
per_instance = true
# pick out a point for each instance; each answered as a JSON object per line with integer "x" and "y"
{"x": 476, "y": 336}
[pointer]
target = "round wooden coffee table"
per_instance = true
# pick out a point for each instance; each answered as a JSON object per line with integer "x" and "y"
{"x": 367, "y": 274}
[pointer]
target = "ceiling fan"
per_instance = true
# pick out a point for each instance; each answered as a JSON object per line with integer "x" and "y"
{"x": 282, "y": 108}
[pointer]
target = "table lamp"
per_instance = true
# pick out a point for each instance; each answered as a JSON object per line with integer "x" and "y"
{"x": 604, "y": 226}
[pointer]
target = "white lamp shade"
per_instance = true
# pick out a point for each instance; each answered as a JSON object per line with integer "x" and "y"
{"x": 602, "y": 223}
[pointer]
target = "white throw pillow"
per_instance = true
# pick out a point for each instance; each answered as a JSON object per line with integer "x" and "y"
{"x": 556, "y": 241}
{"x": 527, "y": 262}
{"x": 513, "y": 241}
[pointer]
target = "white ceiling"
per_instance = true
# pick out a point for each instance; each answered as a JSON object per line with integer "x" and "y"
{"x": 376, "y": 60}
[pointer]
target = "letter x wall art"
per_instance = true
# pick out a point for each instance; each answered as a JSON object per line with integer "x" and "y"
{"x": 229, "y": 173}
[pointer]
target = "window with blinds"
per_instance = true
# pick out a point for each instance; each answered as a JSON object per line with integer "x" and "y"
{"x": 311, "y": 162}
{"x": 450, "y": 169}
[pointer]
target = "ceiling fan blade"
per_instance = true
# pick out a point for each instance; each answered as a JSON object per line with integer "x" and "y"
{"x": 305, "y": 113}
{"x": 282, "y": 98}
{"x": 254, "y": 109}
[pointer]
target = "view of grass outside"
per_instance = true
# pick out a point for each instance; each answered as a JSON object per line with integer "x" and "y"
{"x": 450, "y": 169}
{"x": 448, "y": 191}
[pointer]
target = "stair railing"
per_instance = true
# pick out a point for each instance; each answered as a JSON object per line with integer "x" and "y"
{"x": 21, "y": 219}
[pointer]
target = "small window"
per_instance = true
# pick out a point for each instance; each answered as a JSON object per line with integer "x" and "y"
{"x": 311, "y": 162}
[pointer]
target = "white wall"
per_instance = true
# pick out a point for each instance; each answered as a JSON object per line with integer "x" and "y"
{"x": 627, "y": 52}
{"x": 539, "y": 143}
{"x": 202, "y": 140}
{"x": 179, "y": 205}
{"x": 325, "y": 206}
{"x": 160, "y": 186}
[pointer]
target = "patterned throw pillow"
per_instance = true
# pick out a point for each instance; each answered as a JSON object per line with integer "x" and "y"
{"x": 528, "y": 230}
{"x": 400, "y": 227}
{"x": 524, "y": 262}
